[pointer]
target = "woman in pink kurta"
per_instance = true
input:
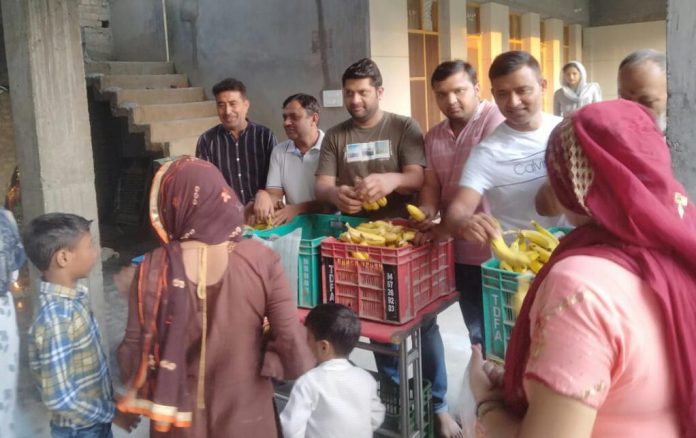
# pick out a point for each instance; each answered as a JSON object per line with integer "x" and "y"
{"x": 604, "y": 344}
{"x": 195, "y": 356}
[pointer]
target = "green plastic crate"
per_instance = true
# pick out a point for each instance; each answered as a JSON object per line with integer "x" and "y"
{"x": 498, "y": 286}
{"x": 390, "y": 397}
{"x": 315, "y": 228}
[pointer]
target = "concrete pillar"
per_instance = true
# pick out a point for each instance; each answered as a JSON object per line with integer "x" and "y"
{"x": 531, "y": 34}
{"x": 389, "y": 49}
{"x": 495, "y": 39}
{"x": 681, "y": 84}
{"x": 575, "y": 42}
{"x": 553, "y": 58}
{"x": 452, "y": 30}
{"x": 49, "y": 107}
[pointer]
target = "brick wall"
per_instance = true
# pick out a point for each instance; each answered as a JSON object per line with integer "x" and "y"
{"x": 95, "y": 23}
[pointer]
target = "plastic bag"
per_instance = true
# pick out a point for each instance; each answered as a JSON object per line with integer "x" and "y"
{"x": 288, "y": 248}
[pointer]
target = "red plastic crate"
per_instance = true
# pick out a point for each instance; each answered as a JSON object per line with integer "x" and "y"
{"x": 393, "y": 285}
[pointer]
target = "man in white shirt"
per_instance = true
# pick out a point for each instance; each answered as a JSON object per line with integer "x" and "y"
{"x": 293, "y": 164}
{"x": 508, "y": 166}
{"x": 336, "y": 399}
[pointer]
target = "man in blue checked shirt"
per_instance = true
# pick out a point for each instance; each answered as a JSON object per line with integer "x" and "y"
{"x": 65, "y": 353}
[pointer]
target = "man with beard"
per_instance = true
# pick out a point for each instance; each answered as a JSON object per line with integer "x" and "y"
{"x": 643, "y": 79}
{"x": 377, "y": 154}
{"x": 373, "y": 154}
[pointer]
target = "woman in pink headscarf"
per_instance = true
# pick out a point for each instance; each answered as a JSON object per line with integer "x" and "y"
{"x": 604, "y": 345}
{"x": 194, "y": 355}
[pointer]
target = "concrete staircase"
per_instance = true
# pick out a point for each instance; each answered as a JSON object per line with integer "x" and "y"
{"x": 158, "y": 103}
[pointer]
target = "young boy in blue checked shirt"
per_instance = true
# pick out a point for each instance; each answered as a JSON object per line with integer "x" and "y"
{"x": 65, "y": 352}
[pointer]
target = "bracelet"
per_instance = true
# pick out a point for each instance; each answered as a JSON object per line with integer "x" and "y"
{"x": 486, "y": 406}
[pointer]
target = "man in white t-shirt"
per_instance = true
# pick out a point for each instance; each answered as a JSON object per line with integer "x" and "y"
{"x": 508, "y": 166}
{"x": 293, "y": 165}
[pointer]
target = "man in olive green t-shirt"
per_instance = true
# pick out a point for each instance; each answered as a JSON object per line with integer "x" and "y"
{"x": 372, "y": 154}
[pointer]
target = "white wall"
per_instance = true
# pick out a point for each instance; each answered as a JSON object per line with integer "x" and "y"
{"x": 605, "y": 47}
{"x": 389, "y": 49}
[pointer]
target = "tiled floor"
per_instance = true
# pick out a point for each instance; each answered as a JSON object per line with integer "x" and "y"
{"x": 32, "y": 419}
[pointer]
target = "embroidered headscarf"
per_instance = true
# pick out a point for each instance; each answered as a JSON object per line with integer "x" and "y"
{"x": 609, "y": 161}
{"x": 189, "y": 200}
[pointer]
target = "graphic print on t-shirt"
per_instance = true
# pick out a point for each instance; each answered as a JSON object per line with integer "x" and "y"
{"x": 372, "y": 150}
{"x": 522, "y": 170}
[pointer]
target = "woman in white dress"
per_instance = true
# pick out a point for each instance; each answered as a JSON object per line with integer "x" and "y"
{"x": 575, "y": 90}
{"x": 11, "y": 259}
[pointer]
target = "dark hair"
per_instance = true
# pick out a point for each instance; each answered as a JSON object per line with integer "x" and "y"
{"x": 230, "y": 84}
{"x": 336, "y": 324}
{"x": 50, "y": 233}
{"x": 365, "y": 68}
{"x": 509, "y": 62}
{"x": 448, "y": 68}
{"x": 309, "y": 103}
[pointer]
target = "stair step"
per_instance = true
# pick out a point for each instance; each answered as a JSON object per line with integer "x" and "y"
{"x": 161, "y": 132}
{"x": 181, "y": 146}
{"x": 129, "y": 97}
{"x": 143, "y": 81}
{"x": 129, "y": 68}
{"x": 157, "y": 113}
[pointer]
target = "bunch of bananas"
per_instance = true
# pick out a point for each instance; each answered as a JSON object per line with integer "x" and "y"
{"x": 375, "y": 205}
{"x": 377, "y": 233}
{"x": 528, "y": 253}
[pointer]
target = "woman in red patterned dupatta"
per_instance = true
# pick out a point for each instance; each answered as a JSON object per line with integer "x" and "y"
{"x": 604, "y": 345}
{"x": 193, "y": 355}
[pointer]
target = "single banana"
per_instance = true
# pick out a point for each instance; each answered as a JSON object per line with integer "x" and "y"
{"x": 372, "y": 238}
{"x": 360, "y": 255}
{"x": 505, "y": 254}
{"x": 522, "y": 242}
{"x": 544, "y": 254}
{"x": 540, "y": 239}
{"x": 533, "y": 255}
{"x": 520, "y": 294}
{"x": 536, "y": 266}
{"x": 355, "y": 235}
{"x": 515, "y": 245}
{"x": 409, "y": 235}
{"x": 545, "y": 232}
{"x": 415, "y": 213}
{"x": 345, "y": 237}
{"x": 506, "y": 266}
{"x": 382, "y": 202}
{"x": 370, "y": 206}
{"x": 390, "y": 237}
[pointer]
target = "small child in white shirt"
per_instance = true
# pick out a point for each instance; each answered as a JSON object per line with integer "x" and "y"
{"x": 335, "y": 399}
